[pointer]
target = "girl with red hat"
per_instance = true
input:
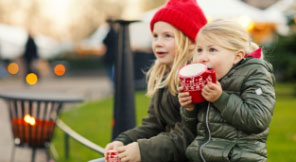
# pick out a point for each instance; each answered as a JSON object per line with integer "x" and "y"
{"x": 162, "y": 136}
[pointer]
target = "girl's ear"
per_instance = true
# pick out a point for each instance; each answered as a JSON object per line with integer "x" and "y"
{"x": 238, "y": 56}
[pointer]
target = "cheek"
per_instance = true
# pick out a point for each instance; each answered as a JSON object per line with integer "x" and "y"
{"x": 222, "y": 70}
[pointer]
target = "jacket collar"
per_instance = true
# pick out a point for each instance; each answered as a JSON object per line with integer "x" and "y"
{"x": 255, "y": 54}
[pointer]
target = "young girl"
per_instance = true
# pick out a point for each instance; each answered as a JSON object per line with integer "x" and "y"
{"x": 233, "y": 124}
{"x": 162, "y": 137}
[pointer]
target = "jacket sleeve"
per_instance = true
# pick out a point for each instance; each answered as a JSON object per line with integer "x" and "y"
{"x": 150, "y": 127}
{"x": 252, "y": 109}
{"x": 166, "y": 146}
{"x": 189, "y": 119}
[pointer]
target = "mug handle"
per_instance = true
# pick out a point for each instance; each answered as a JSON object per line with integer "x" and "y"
{"x": 212, "y": 74}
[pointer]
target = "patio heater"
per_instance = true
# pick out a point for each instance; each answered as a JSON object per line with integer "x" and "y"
{"x": 124, "y": 104}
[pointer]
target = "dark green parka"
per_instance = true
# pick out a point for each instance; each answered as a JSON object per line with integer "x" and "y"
{"x": 161, "y": 137}
{"x": 236, "y": 126}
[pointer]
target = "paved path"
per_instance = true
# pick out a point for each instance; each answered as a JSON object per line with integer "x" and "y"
{"x": 90, "y": 88}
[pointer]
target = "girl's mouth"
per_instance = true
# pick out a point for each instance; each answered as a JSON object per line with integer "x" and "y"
{"x": 161, "y": 53}
{"x": 210, "y": 68}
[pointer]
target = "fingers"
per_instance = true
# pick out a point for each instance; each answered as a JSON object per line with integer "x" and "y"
{"x": 122, "y": 154}
{"x": 107, "y": 148}
{"x": 184, "y": 97}
{"x": 121, "y": 149}
{"x": 212, "y": 91}
{"x": 124, "y": 159}
{"x": 186, "y": 103}
{"x": 211, "y": 85}
{"x": 180, "y": 89}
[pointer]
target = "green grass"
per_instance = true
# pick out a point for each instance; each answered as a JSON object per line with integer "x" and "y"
{"x": 93, "y": 121}
{"x": 281, "y": 144}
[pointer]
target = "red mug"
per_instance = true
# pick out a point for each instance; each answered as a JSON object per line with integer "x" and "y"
{"x": 112, "y": 156}
{"x": 193, "y": 77}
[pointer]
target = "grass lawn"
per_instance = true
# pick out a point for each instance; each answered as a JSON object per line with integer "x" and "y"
{"x": 93, "y": 121}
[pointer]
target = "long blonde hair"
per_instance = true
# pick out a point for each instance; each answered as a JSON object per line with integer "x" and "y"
{"x": 229, "y": 35}
{"x": 162, "y": 75}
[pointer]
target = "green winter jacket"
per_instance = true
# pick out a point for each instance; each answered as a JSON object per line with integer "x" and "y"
{"x": 236, "y": 126}
{"x": 161, "y": 137}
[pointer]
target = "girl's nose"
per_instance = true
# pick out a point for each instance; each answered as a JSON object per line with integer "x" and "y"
{"x": 157, "y": 42}
{"x": 203, "y": 59}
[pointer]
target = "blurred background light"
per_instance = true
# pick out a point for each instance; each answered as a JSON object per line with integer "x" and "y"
{"x": 13, "y": 68}
{"x": 59, "y": 69}
{"x": 31, "y": 78}
{"x": 246, "y": 22}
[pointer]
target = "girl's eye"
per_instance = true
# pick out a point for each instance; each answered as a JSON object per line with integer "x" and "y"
{"x": 212, "y": 50}
{"x": 155, "y": 35}
{"x": 199, "y": 50}
{"x": 168, "y": 36}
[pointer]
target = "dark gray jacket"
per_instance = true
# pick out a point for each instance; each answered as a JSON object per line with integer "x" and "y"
{"x": 236, "y": 126}
{"x": 161, "y": 137}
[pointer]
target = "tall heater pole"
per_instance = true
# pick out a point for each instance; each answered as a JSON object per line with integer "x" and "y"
{"x": 124, "y": 102}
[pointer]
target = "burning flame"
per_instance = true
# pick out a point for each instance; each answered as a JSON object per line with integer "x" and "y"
{"x": 29, "y": 119}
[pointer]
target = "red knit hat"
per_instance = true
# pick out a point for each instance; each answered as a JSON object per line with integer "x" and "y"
{"x": 185, "y": 15}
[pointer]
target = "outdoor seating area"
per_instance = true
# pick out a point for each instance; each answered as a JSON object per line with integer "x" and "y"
{"x": 149, "y": 80}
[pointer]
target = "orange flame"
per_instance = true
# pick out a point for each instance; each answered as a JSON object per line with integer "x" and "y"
{"x": 30, "y": 120}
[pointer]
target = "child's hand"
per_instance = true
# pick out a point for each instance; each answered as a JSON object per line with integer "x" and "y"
{"x": 130, "y": 153}
{"x": 212, "y": 91}
{"x": 112, "y": 146}
{"x": 185, "y": 99}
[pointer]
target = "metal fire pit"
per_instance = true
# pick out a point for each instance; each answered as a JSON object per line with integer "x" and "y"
{"x": 33, "y": 116}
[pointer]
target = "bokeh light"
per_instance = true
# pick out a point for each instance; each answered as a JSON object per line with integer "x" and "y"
{"x": 246, "y": 22}
{"x": 13, "y": 68}
{"x": 31, "y": 78}
{"x": 59, "y": 69}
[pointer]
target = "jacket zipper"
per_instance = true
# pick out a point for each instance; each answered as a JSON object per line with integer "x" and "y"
{"x": 208, "y": 128}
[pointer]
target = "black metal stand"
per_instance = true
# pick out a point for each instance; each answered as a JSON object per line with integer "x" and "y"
{"x": 33, "y": 154}
{"x": 124, "y": 104}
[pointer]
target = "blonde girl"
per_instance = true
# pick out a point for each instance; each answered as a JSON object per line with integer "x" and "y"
{"x": 162, "y": 137}
{"x": 233, "y": 124}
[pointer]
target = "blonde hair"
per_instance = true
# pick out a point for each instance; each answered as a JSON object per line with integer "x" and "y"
{"x": 161, "y": 75}
{"x": 229, "y": 35}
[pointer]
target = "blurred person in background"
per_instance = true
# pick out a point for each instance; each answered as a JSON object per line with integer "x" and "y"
{"x": 3, "y": 73}
{"x": 111, "y": 45}
{"x": 30, "y": 55}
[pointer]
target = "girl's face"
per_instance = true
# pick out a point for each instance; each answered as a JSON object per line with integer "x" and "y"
{"x": 163, "y": 44}
{"x": 216, "y": 57}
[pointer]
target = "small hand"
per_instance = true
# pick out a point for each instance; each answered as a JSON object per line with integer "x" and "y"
{"x": 185, "y": 99}
{"x": 212, "y": 91}
{"x": 130, "y": 153}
